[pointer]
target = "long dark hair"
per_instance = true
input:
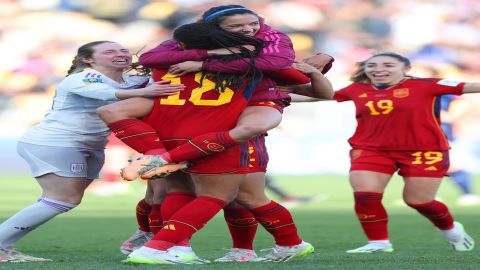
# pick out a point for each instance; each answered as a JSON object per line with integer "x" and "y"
{"x": 200, "y": 35}
{"x": 359, "y": 74}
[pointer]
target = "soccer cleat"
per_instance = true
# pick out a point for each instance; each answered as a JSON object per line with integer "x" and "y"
{"x": 463, "y": 243}
{"x": 16, "y": 256}
{"x": 284, "y": 254}
{"x": 164, "y": 170}
{"x": 372, "y": 247}
{"x": 238, "y": 255}
{"x": 187, "y": 254}
{"x": 140, "y": 165}
{"x": 146, "y": 255}
{"x": 137, "y": 240}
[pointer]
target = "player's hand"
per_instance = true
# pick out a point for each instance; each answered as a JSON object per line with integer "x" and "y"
{"x": 305, "y": 68}
{"x": 183, "y": 68}
{"x": 320, "y": 61}
{"x": 162, "y": 88}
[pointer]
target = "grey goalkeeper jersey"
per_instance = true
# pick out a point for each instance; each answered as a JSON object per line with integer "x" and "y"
{"x": 72, "y": 120}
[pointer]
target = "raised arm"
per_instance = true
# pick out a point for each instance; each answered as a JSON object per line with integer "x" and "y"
{"x": 470, "y": 88}
{"x": 320, "y": 87}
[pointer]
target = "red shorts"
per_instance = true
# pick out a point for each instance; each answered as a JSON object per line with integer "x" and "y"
{"x": 258, "y": 155}
{"x": 278, "y": 104}
{"x": 432, "y": 164}
{"x": 245, "y": 158}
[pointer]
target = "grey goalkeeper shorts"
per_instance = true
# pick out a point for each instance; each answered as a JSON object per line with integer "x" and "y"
{"x": 62, "y": 161}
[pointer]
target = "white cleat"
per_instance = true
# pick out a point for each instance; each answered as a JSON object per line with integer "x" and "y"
{"x": 238, "y": 255}
{"x": 284, "y": 254}
{"x": 146, "y": 255}
{"x": 187, "y": 254}
{"x": 137, "y": 240}
{"x": 12, "y": 255}
{"x": 373, "y": 247}
{"x": 464, "y": 242}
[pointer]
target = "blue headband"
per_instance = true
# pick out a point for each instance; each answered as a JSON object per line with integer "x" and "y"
{"x": 215, "y": 14}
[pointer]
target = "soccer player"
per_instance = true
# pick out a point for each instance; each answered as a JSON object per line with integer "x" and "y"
{"x": 399, "y": 130}
{"x": 66, "y": 150}
{"x": 263, "y": 213}
{"x": 266, "y": 105}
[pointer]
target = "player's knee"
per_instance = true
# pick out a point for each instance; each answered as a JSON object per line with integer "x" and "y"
{"x": 251, "y": 200}
{"x": 243, "y": 133}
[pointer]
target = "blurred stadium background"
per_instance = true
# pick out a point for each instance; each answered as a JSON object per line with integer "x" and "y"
{"x": 38, "y": 40}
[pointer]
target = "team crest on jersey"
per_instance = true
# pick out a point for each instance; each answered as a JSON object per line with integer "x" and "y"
{"x": 215, "y": 147}
{"x": 401, "y": 93}
{"x": 448, "y": 82}
{"x": 76, "y": 167}
{"x": 92, "y": 78}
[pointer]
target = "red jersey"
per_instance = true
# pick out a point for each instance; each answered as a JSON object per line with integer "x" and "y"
{"x": 405, "y": 116}
{"x": 196, "y": 110}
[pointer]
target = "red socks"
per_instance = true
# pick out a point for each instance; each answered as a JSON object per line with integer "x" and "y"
{"x": 187, "y": 221}
{"x": 372, "y": 215}
{"x": 155, "y": 218}
{"x": 203, "y": 145}
{"x": 242, "y": 226}
{"x": 278, "y": 221}
{"x": 140, "y": 136}
{"x": 142, "y": 211}
{"x": 437, "y": 213}
{"x": 174, "y": 201}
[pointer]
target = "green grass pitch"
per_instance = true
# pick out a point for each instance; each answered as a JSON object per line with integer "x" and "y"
{"x": 89, "y": 236}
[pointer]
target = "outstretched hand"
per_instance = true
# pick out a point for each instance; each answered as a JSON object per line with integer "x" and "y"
{"x": 305, "y": 68}
{"x": 162, "y": 88}
{"x": 320, "y": 61}
{"x": 186, "y": 67}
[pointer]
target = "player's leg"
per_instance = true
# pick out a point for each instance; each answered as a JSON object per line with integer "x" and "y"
{"x": 254, "y": 120}
{"x": 123, "y": 119}
{"x": 214, "y": 192}
{"x": 368, "y": 188}
{"x": 242, "y": 226}
{"x": 149, "y": 217}
{"x": 275, "y": 218}
{"x": 63, "y": 173}
{"x": 419, "y": 193}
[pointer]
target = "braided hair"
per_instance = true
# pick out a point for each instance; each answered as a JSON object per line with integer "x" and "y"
{"x": 200, "y": 35}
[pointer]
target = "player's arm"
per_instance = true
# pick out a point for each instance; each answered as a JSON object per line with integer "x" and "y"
{"x": 102, "y": 91}
{"x": 469, "y": 88}
{"x": 320, "y": 87}
{"x": 278, "y": 54}
{"x": 169, "y": 53}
